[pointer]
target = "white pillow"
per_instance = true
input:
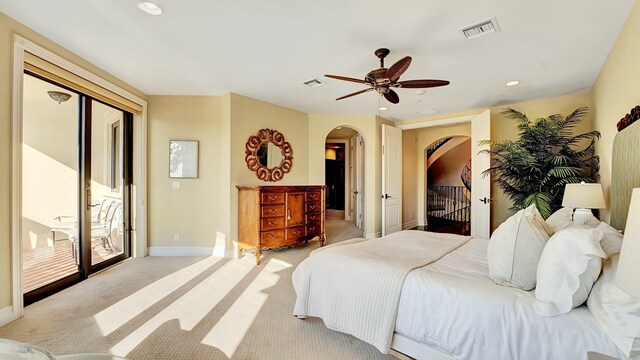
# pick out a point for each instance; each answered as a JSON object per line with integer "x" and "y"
{"x": 515, "y": 248}
{"x": 563, "y": 218}
{"x": 612, "y": 241}
{"x": 570, "y": 264}
{"x": 617, "y": 312}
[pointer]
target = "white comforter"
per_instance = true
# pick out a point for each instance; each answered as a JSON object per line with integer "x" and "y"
{"x": 453, "y": 305}
{"x": 355, "y": 288}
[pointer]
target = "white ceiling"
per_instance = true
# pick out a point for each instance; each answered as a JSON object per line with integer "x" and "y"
{"x": 266, "y": 49}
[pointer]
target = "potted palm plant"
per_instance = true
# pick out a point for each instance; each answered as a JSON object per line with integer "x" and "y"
{"x": 547, "y": 155}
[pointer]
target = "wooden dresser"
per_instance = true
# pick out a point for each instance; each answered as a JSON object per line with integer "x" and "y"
{"x": 274, "y": 216}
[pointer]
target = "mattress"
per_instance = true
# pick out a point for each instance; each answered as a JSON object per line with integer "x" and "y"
{"x": 453, "y": 306}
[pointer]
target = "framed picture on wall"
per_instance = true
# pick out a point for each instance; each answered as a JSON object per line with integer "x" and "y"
{"x": 183, "y": 159}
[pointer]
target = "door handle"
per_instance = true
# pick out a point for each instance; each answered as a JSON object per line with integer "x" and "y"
{"x": 485, "y": 200}
{"x": 385, "y": 196}
{"x": 355, "y": 192}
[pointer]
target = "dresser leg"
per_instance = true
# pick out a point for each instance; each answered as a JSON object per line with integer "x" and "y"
{"x": 321, "y": 239}
{"x": 258, "y": 255}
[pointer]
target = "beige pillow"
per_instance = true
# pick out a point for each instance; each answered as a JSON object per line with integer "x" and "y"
{"x": 515, "y": 248}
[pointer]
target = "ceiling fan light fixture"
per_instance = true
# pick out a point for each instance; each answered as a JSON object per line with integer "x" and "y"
{"x": 383, "y": 108}
{"x": 150, "y": 8}
{"x": 513, "y": 83}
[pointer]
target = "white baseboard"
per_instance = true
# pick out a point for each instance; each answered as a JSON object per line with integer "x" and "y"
{"x": 422, "y": 222}
{"x": 373, "y": 235}
{"x": 7, "y": 315}
{"x": 410, "y": 224}
{"x": 180, "y": 251}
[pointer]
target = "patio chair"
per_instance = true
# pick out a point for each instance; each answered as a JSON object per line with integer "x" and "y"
{"x": 99, "y": 217}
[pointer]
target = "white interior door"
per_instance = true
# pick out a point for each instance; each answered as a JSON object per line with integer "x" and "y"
{"x": 480, "y": 185}
{"x": 391, "y": 179}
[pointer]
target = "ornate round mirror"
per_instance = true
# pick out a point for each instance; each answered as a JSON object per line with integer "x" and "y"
{"x": 269, "y": 155}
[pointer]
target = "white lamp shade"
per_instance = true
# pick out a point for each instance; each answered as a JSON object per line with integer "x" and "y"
{"x": 584, "y": 196}
{"x": 628, "y": 274}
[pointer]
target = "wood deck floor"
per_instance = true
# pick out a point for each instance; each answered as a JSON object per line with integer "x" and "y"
{"x": 42, "y": 266}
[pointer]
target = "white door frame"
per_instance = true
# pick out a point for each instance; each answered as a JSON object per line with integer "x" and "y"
{"x": 139, "y": 212}
{"x": 475, "y": 157}
{"x": 347, "y": 183}
{"x": 360, "y": 181}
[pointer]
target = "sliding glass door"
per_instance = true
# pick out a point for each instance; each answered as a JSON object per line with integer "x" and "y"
{"x": 76, "y": 181}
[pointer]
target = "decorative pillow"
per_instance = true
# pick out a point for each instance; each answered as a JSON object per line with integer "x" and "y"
{"x": 570, "y": 264}
{"x": 563, "y": 218}
{"x": 560, "y": 219}
{"x": 612, "y": 240}
{"x": 515, "y": 248}
{"x": 617, "y": 312}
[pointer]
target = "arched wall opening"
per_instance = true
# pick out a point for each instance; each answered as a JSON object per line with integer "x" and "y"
{"x": 345, "y": 179}
{"x": 447, "y": 172}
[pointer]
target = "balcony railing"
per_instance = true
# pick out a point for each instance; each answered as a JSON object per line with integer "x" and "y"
{"x": 451, "y": 204}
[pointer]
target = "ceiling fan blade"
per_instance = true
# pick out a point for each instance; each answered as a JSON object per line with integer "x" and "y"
{"x": 397, "y": 69}
{"x": 354, "y": 94}
{"x": 421, "y": 84}
{"x": 392, "y": 97}
{"x": 344, "y": 78}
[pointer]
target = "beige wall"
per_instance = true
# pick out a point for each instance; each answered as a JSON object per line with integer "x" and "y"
{"x": 194, "y": 211}
{"x": 616, "y": 91}
{"x": 503, "y": 128}
{"x": 247, "y": 116}
{"x": 320, "y": 125}
{"x": 9, "y": 27}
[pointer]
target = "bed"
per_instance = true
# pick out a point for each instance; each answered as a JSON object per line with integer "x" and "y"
{"x": 447, "y": 307}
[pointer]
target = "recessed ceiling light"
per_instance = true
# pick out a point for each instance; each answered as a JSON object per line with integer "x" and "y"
{"x": 150, "y": 7}
{"x": 339, "y": 127}
{"x": 420, "y": 92}
{"x": 382, "y": 108}
{"x": 513, "y": 83}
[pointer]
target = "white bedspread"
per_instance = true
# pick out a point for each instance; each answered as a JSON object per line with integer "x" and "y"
{"x": 365, "y": 303}
{"x": 453, "y": 305}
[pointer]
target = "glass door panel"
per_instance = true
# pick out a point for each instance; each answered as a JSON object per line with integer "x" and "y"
{"x": 107, "y": 185}
{"x": 49, "y": 230}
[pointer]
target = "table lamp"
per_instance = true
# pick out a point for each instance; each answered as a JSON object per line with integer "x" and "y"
{"x": 583, "y": 197}
{"x": 627, "y": 277}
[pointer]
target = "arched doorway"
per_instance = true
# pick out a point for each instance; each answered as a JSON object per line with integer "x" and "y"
{"x": 447, "y": 164}
{"x": 344, "y": 178}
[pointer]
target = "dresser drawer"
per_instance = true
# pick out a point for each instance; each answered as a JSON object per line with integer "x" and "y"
{"x": 313, "y": 196}
{"x": 272, "y": 238}
{"x": 313, "y": 206}
{"x": 273, "y": 198}
{"x": 313, "y": 229}
{"x": 313, "y": 217}
{"x": 272, "y": 211}
{"x": 272, "y": 223}
{"x": 293, "y": 234}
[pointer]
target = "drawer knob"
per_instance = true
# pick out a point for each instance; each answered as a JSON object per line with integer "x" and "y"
{"x": 271, "y": 197}
{"x": 312, "y": 207}
{"x": 272, "y": 235}
{"x": 273, "y": 223}
{"x": 313, "y": 196}
{"x": 271, "y": 211}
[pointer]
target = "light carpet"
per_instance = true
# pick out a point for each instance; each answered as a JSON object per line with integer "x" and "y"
{"x": 191, "y": 308}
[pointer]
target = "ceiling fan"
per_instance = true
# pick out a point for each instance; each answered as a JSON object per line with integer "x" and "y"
{"x": 383, "y": 79}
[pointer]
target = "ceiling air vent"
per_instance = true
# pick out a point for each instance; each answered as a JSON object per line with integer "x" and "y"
{"x": 314, "y": 83}
{"x": 482, "y": 28}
